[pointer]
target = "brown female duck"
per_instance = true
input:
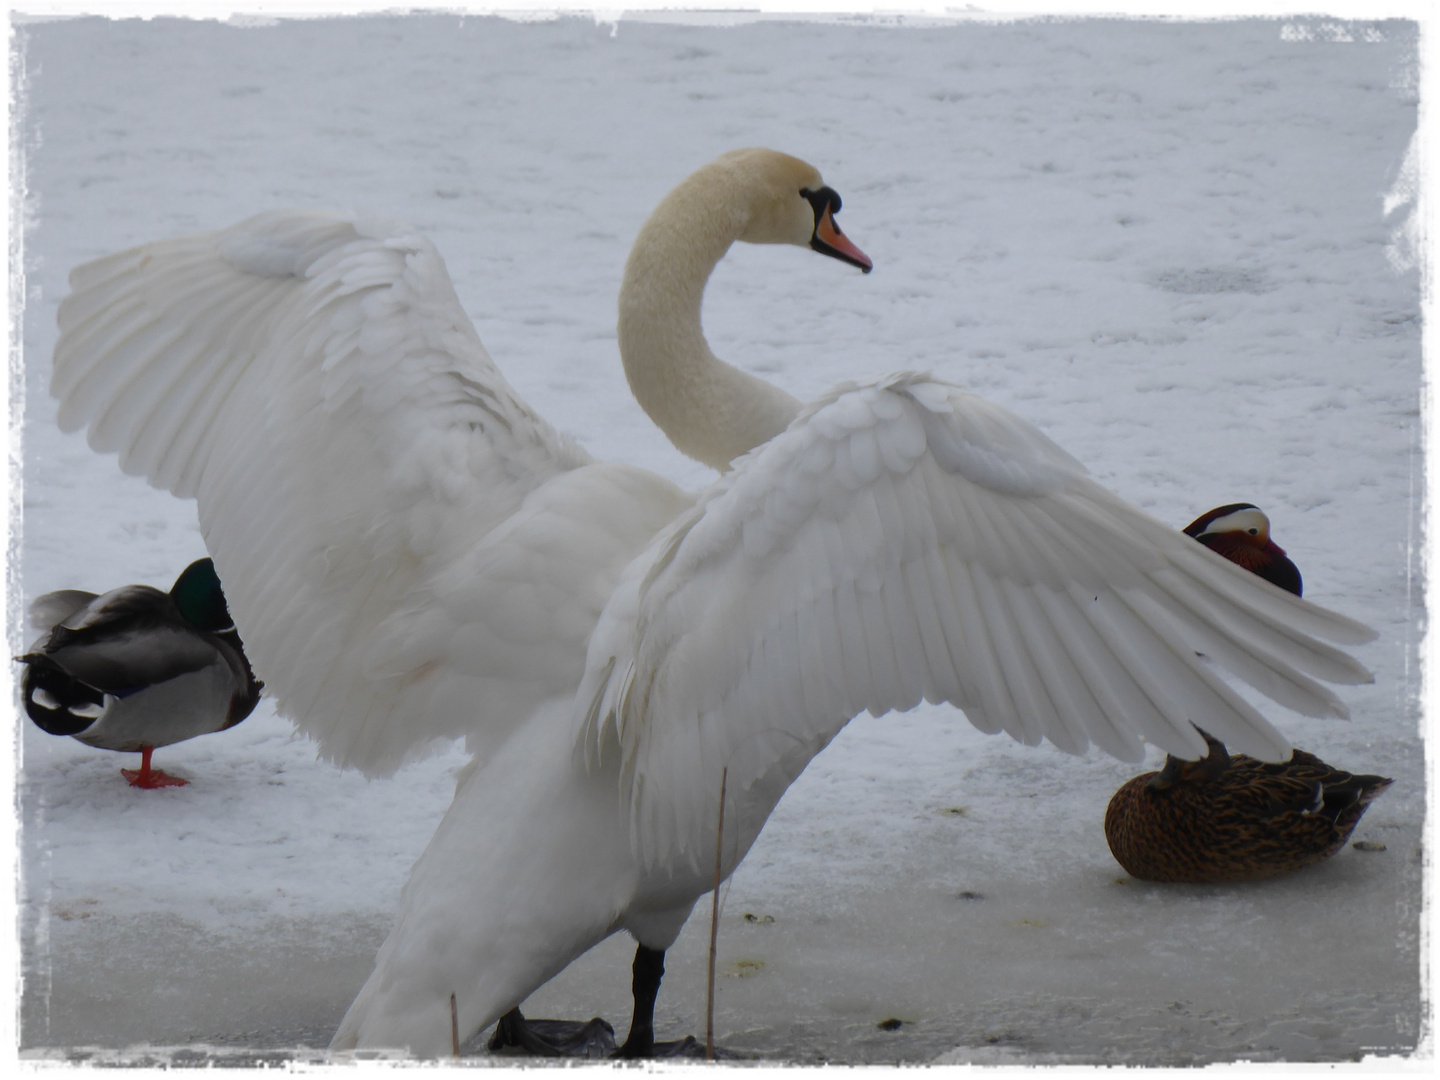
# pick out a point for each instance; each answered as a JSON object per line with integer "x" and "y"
{"x": 1233, "y": 818}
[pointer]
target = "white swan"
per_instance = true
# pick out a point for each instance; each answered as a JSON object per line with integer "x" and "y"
{"x": 412, "y": 553}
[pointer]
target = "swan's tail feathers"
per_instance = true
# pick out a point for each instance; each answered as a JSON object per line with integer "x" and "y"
{"x": 406, "y": 1033}
{"x": 347, "y": 1035}
{"x": 906, "y": 540}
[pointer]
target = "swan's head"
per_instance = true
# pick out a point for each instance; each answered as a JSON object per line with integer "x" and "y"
{"x": 710, "y": 410}
{"x": 785, "y": 201}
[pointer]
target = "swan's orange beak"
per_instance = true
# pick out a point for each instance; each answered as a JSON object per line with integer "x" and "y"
{"x": 829, "y": 240}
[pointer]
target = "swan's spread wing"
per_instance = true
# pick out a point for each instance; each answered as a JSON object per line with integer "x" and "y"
{"x": 505, "y": 624}
{"x": 314, "y": 383}
{"x": 907, "y": 540}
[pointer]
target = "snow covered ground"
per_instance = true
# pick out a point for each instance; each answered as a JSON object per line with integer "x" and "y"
{"x": 1165, "y": 243}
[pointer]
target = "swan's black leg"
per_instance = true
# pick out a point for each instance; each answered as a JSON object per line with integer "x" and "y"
{"x": 648, "y": 970}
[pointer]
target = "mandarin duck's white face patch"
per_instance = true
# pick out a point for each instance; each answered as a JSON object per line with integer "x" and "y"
{"x": 1250, "y": 521}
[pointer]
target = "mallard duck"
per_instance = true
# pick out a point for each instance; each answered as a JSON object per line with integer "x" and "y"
{"x": 414, "y": 553}
{"x": 1233, "y": 818}
{"x": 138, "y": 668}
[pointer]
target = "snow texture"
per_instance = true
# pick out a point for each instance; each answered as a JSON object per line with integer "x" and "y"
{"x": 1179, "y": 248}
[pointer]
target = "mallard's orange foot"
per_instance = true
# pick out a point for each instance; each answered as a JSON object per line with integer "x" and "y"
{"x": 149, "y": 779}
{"x": 1226, "y": 818}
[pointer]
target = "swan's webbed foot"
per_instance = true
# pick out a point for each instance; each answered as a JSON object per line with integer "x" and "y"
{"x": 678, "y": 1048}
{"x": 595, "y": 1038}
{"x": 592, "y": 1038}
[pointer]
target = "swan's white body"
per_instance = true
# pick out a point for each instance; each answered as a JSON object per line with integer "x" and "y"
{"x": 412, "y": 554}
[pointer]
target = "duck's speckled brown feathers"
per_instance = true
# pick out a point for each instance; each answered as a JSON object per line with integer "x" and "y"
{"x": 1227, "y": 818}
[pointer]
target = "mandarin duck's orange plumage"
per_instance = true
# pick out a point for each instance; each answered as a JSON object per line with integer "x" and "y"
{"x": 1241, "y": 533}
{"x": 1233, "y": 818}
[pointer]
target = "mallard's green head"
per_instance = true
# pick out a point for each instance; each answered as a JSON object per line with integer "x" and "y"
{"x": 198, "y": 595}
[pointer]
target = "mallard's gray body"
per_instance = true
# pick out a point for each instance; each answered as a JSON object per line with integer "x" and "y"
{"x": 138, "y": 668}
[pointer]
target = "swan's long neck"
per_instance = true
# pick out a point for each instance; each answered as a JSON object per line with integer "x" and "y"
{"x": 710, "y": 410}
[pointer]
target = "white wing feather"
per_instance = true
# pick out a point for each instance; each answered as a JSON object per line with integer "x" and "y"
{"x": 213, "y": 363}
{"x": 53, "y": 607}
{"x": 908, "y": 540}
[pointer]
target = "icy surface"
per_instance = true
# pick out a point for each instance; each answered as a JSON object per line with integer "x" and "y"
{"x": 1166, "y": 244}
